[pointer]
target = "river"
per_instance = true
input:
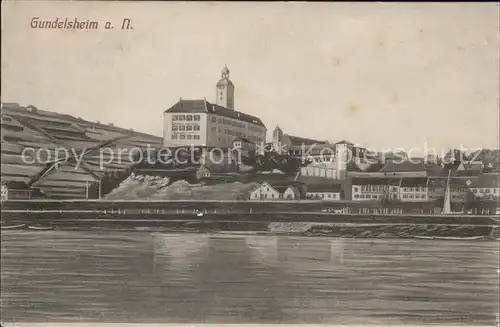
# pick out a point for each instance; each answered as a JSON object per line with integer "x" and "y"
{"x": 116, "y": 276}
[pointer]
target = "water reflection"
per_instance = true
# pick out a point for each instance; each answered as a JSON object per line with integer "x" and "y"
{"x": 140, "y": 277}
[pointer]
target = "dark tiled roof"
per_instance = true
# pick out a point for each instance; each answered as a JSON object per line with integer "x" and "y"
{"x": 412, "y": 182}
{"x": 203, "y": 106}
{"x": 459, "y": 183}
{"x": 344, "y": 142}
{"x": 14, "y": 185}
{"x": 375, "y": 181}
{"x": 403, "y": 166}
{"x": 242, "y": 139}
{"x": 436, "y": 182}
{"x": 433, "y": 169}
{"x": 473, "y": 166}
{"x": 467, "y": 173}
{"x": 486, "y": 181}
{"x": 324, "y": 187}
{"x": 295, "y": 140}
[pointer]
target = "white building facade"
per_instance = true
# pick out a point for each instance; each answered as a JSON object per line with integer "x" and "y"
{"x": 201, "y": 123}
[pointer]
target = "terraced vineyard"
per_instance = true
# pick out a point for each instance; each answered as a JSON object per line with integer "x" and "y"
{"x": 43, "y": 135}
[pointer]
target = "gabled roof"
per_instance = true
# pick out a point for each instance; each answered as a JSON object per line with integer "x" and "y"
{"x": 279, "y": 186}
{"x": 486, "y": 181}
{"x": 203, "y": 106}
{"x": 403, "y": 166}
{"x": 413, "y": 182}
{"x": 473, "y": 166}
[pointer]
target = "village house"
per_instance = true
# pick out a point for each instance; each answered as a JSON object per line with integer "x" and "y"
{"x": 469, "y": 169}
{"x": 375, "y": 188}
{"x": 324, "y": 191}
{"x": 275, "y": 190}
{"x": 413, "y": 189}
{"x": 436, "y": 188}
{"x": 485, "y": 185}
{"x": 15, "y": 190}
{"x": 459, "y": 189}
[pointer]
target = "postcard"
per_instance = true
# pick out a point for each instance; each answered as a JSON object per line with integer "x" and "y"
{"x": 249, "y": 163}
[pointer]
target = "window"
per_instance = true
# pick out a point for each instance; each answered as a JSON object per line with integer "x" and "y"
{"x": 221, "y": 98}
{"x": 182, "y": 137}
{"x": 189, "y": 136}
{"x": 182, "y": 117}
{"x": 196, "y": 117}
{"x": 196, "y": 127}
{"x": 189, "y": 117}
{"x": 474, "y": 190}
{"x": 182, "y": 128}
{"x": 494, "y": 190}
{"x": 394, "y": 189}
{"x": 330, "y": 195}
{"x": 175, "y": 128}
{"x": 374, "y": 196}
{"x": 196, "y": 137}
{"x": 189, "y": 128}
{"x": 356, "y": 196}
{"x": 175, "y": 118}
{"x": 487, "y": 190}
{"x": 174, "y": 136}
{"x": 214, "y": 119}
{"x": 356, "y": 189}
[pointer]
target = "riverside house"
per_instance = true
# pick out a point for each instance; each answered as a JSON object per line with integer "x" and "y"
{"x": 486, "y": 185}
{"x": 275, "y": 190}
{"x": 374, "y": 188}
{"x": 324, "y": 191}
{"x": 413, "y": 189}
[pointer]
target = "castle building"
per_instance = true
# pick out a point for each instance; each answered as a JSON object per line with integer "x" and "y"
{"x": 201, "y": 123}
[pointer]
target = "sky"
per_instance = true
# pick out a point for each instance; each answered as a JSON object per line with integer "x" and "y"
{"x": 384, "y": 76}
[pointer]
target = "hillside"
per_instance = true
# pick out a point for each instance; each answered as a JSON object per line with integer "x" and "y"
{"x": 30, "y": 127}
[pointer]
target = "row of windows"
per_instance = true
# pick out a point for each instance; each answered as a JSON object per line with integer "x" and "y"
{"x": 374, "y": 188}
{"x": 254, "y": 128}
{"x": 414, "y": 189}
{"x": 195, "y": 127}
{"x": 185, "y": 137}
{"x": 186, "y": 117}
{"x": 484, "y": 190}
{"x": 366, "y": 196}
{"x": 322, "y": 195}
{"x": 411, "y": 196}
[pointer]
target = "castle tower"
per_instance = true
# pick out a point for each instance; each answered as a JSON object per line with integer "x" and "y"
{"x": 225, "y": 90}
{"x": 277, "y": 137}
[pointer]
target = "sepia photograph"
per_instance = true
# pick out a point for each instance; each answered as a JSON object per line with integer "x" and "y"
{"x": 250, "y": 163}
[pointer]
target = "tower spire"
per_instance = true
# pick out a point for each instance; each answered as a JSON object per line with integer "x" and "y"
{"x": 225, "y": 90}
